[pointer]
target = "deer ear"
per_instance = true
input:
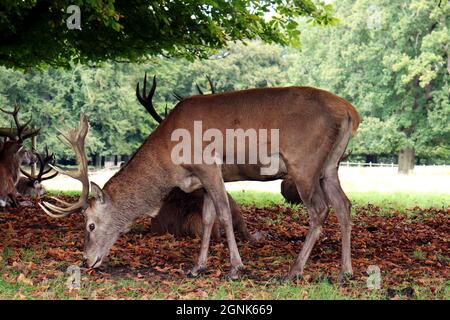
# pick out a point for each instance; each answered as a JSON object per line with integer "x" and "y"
{"x": 97, "y": 193}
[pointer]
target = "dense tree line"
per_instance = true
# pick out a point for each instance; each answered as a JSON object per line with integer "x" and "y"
{"x": 389, "y": 59}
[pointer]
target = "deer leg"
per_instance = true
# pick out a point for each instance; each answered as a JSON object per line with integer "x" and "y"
{"x": 318, "y": 211}
{"x": 223, "y": 208}
{"x": 208, "y": 218}
{"x": 342, "y": 206}
{"x": 212, "y": 181}
{"x": 14, "y": 201}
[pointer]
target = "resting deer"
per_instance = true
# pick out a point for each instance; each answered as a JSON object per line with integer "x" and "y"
{"x": 181, "y": 213}
{"x": 12, "y": 155}
{"x": 31, "y": 185}
{"x": 314, "y": 126}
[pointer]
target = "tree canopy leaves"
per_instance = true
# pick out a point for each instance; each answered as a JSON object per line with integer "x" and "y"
{"x": 34, "y": 32}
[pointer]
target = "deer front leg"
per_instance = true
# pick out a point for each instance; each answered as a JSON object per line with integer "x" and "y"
{"x": 208, "y": 218}
{"x": 212, "y": 181}
{"x": 222, "y": 206}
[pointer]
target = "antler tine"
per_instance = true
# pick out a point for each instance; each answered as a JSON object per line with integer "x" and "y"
{"x": 198, "y": 89}
{"x": 211, "y": 84}
{"x": 41, "y": 166}
{"x": 30, "y": 134}
{"x": 178, "y": 96}
{"x": 75, "y": 138}
{"x": 21, "y": 128}
{"x": 26, "y": 174}
{"x": 48, "y": 160}
{"x": 146, "y": 100}
{"x": 49, "y": 177}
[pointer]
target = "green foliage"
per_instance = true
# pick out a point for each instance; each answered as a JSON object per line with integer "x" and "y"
{"x": 377, "y": 137}
{"x": 389, "y": 59}
{"x": 35, "y": 34}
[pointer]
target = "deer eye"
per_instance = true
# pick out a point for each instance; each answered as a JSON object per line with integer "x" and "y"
{"x": 91, "y": 227}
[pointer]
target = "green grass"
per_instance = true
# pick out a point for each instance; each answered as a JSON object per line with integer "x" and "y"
{"x": 203, "y": 288}
{"x": 396, "y": 200}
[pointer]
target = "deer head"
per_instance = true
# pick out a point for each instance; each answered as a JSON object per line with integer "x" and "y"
{"x": 102, "y": 229}
{"x": 13, "y": 139}
{"x": 32, "y": 184}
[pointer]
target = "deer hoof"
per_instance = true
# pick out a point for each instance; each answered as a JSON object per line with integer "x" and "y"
{"x": 236, "y": 271}
{"x": 292, "y": 277}
{"x": 196, "y": 271}
{"x": 345, "y": 277}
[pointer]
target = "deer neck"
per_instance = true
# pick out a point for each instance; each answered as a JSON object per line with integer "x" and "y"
{"x": 140, "y": 187}
{"x": 13, "y": 162}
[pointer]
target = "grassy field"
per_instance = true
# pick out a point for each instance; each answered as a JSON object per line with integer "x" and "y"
{"x": 21, "y": 269}
{"x": 396, "y": 200}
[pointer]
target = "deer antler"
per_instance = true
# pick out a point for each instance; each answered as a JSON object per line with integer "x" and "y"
{"x": 177, "y": 96}
{"x": 146, "y": 100}
{"x": 22, "y": 133}
{"x": 75, "y": 139}
{"x": 211, "y": 84}
{"x": 48, "y": 160}
{"x": 200, "y": 91}
{"x": 43, "y": 163}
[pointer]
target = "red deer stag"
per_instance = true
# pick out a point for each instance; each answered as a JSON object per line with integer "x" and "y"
{"x": 310, "y": 129}
{"x": 12, "y": 155}
{"x": 31, "y": 185}
{"x": 181, "y": 212}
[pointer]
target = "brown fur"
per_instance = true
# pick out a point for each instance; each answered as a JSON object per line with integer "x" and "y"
{"x": 289, "y": 191}
{"x": 181, "y": 215}
{"x": 9, "y": 171}
{"x": 29, "y": 187}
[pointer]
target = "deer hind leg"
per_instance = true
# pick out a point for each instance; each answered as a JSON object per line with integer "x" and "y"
{"x": 315, "y": 202}
{"x": 208, "y": 219}
{"x": 342, "y": 206}
{"x": 338, "y": 200}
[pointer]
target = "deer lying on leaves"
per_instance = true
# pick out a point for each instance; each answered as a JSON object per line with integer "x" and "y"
{"x": 314, "y": 126}
{"x": 31, "y": 185}
{"x": 12, "y": 155}
{"x": 181, "y": 213}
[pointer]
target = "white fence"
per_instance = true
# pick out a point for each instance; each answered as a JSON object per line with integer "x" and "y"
{"x": 389, "y": 165}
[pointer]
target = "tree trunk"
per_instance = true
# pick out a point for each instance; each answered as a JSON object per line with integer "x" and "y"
{"x": 371, "y": 158}
{"x": 406, "y": 160}
{"x": 98, "y": 161}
